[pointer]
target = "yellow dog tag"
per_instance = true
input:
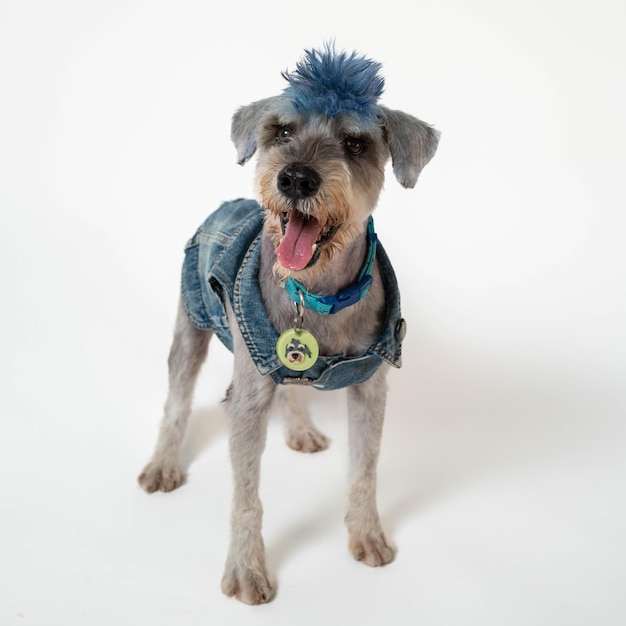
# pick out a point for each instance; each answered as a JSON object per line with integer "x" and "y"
{"x": 297, "y": 349}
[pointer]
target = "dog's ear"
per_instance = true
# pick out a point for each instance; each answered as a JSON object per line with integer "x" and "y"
{"x": 412, "y": 143}
{"x": 245, "y": 126}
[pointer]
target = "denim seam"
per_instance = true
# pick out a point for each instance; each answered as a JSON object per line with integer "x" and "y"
{"x": 241, "y": 320}
{"x": 226, "y": 241}
{"x": 203, "y": 324}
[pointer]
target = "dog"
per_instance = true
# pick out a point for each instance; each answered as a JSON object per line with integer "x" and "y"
{"x": 302, "y": 266}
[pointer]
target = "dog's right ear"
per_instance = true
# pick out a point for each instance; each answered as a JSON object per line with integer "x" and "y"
{"x": 245, "y": 126}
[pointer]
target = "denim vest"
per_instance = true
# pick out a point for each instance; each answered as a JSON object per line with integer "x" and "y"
{"x": 222, "y": 264}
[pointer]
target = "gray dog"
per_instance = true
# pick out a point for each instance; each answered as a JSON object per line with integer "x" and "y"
{"x": 302, "y": 267}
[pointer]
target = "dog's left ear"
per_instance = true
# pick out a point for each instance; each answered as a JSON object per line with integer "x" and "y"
{"x": 412, "y": 143}
{"x": 245, "y": 125}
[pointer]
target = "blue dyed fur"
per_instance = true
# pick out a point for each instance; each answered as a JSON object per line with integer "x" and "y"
{"x": 332, "y": 83}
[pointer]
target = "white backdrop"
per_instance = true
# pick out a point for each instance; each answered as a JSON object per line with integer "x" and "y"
{"x": 502, "y": 471}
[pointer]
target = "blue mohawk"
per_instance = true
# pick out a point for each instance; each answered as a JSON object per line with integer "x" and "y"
{"x": 332, "y": 83}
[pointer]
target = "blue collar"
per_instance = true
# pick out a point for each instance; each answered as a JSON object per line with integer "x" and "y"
{"x": 325, "y": 305}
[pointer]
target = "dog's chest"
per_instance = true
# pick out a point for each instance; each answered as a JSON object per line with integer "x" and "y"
{"x": 349, "y": 332}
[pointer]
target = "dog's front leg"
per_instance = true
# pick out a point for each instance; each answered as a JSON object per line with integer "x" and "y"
{"x": 248, "y": 404}
{"x": 366, "y": 411}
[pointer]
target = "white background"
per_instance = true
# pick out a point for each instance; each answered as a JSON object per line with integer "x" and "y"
{"x": 503, "y": 468}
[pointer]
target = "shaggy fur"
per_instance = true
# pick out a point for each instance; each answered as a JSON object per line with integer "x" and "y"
{"x": 328, "y": 128}
{"x": 331, "y": 84}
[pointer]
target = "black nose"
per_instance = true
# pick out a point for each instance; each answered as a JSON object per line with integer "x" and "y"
{"x": 298, "y": 181}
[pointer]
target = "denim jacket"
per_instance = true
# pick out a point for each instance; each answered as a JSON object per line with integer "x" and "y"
{"x": 222, "y": 264}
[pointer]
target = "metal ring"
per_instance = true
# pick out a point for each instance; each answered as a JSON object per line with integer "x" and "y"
{"x": 298, "y": 320}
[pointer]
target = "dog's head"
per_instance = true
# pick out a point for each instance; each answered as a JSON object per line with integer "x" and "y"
{"x": 323, "y": 145}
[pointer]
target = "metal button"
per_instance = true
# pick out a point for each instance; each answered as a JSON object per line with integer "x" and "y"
{"x": 400, "y": 330}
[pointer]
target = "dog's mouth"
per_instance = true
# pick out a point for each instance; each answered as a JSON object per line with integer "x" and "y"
{"x": 303, "y": 240}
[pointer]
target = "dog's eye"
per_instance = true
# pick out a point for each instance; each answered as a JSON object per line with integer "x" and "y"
{"x": 355, "y": 146}
{"x": 284, "y": 134}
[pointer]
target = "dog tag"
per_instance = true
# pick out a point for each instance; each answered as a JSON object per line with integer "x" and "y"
{"x": 297, "y": 349}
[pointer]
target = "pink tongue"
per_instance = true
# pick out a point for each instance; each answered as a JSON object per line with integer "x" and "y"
{"x": 296, "y": 248}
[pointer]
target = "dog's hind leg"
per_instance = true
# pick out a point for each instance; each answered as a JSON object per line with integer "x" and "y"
{"x": 300, "y": 433}
{"x": 366, "y": 409}
{"x": 188, "y": 351}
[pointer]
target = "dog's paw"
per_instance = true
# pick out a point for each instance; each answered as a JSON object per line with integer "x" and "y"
{"x": 306, "y": 439}
{"x": 251, "y": 586}
{"x": 373, "y": 549}
{"x": 157, "y": 477}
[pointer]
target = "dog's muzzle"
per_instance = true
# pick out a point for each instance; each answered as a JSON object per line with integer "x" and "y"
{"x": 303, "y": 235}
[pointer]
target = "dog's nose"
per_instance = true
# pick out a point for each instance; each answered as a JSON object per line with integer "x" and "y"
{"x": 298, "y": 181}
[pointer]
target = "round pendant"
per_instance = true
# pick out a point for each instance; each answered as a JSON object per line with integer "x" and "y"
{"x": 297, "y": 349}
